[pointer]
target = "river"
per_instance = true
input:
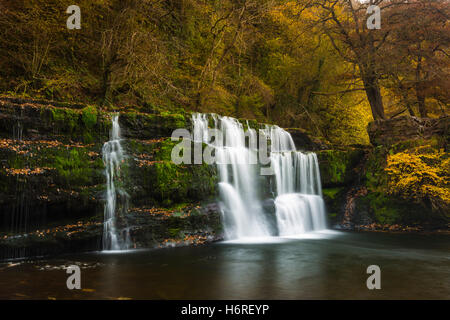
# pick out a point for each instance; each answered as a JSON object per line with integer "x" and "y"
{"x": 324, "y": 265}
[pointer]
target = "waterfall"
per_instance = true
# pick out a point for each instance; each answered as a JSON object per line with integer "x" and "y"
{"x": 299, "y": 206}
{"x": 299, "y": 213}
{"x": 238, "y": 178}
{"x": 116, "y": 197}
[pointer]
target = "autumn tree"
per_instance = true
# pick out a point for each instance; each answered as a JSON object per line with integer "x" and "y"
{"x": 417, "y": 55}
{"x": 345, "y": 24}
{"x": 28, "y": 42}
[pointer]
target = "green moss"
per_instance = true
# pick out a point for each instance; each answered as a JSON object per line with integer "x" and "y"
{"x": 180, "y": 206}
{"x": 58, "y": 114}
{"x": 73, "y": 166}
{"x": 175, "y": 120}
{"x": 16, "y": 162}
{"x": 170, "y": 184}
{"x": 140, "y": 147}
{"x": 98, "y": 163}
{"x": 384, "y": 209}
{"x": 170, "y": 180}
{"x": 167, "y": 119}
{"x": 331, "y": 192}
{"x": 334, "y": 166}
{"x": 375, "y": 177}
{"x": 65, "y": 118}
{"x": 87, "y": 137}
{"x": 89, "y": 116}
{"x": 132, "y": 115}
{"x": 163, "y": 149}
{"x": 334, "y": 199}
{"x": 104, "y": 123}
{"x": 174, "y": 232}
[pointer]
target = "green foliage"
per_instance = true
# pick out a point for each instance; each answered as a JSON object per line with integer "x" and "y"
{"x": 337, "y": 166}
{"x": 87, "y": 137}
{"x": 334, "y": 198}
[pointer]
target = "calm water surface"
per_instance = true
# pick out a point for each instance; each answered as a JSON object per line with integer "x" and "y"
{"x": 322, "y": 266}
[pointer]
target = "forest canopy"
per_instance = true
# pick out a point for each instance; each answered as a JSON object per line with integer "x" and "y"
{"x": 311, "y": 64}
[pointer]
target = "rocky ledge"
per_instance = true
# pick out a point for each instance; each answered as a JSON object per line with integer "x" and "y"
{"x": 148, "y": 227}
{"x": 52, "y": 181}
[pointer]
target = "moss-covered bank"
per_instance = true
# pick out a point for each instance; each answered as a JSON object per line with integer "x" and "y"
{"x": 52, "y": 175}
{"x": 399, "y": 185}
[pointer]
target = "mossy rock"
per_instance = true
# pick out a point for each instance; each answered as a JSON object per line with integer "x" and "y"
{"x": 337, "y": 167}
{"x": 151, "y": 126}
{"x": 89, "y": 117}
{"x": 170, "y": 183}
{"x": 334, "y": 199}
{"x": 409, "y": 162}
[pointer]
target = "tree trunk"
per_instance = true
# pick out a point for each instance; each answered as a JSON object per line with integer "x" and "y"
{"x": 410, "y": 110}
{"x": 374, "y": 96}
{"x": 420, "y": 90}
{"x": 421, "y": 103}
{"x": 106, "y": 87}
{"x": 404, "y": 98}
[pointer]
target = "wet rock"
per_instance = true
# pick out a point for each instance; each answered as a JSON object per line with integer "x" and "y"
{"x": 340, "y": 167}
{"x": 305, "y": 142}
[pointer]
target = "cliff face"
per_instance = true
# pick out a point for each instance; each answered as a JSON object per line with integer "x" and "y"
{"x": 52, "y": 180}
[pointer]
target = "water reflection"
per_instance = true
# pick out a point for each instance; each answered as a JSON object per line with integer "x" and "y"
{"x": 323, "y": 266}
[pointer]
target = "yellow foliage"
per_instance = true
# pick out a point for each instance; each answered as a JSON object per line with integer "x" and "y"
{"x": 420, "y": 176}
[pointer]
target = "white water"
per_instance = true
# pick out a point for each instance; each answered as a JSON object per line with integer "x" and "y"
{"x": 116, "y": 197}
{"x": 298, "y": 213}
{"x": 243, "y": 213}
{"x": 299, "y": 203}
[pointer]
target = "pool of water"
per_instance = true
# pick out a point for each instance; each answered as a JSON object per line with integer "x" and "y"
{"x": 327, "y": 265}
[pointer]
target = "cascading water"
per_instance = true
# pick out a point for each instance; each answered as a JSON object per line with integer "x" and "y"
{"x": 298, "y": 202}
{"x": 238, "y": 178}
{"x": 116, "y": 197}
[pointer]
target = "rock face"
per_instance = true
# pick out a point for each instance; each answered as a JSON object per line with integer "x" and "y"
{"x": 52, "y": 180}
{"x": 391, "y": 131}
{"x": 339, "y": 167}
{"x": 150, "y": 227}
{"x": 304, "y": 142}
{"x": 397, "y": 185}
